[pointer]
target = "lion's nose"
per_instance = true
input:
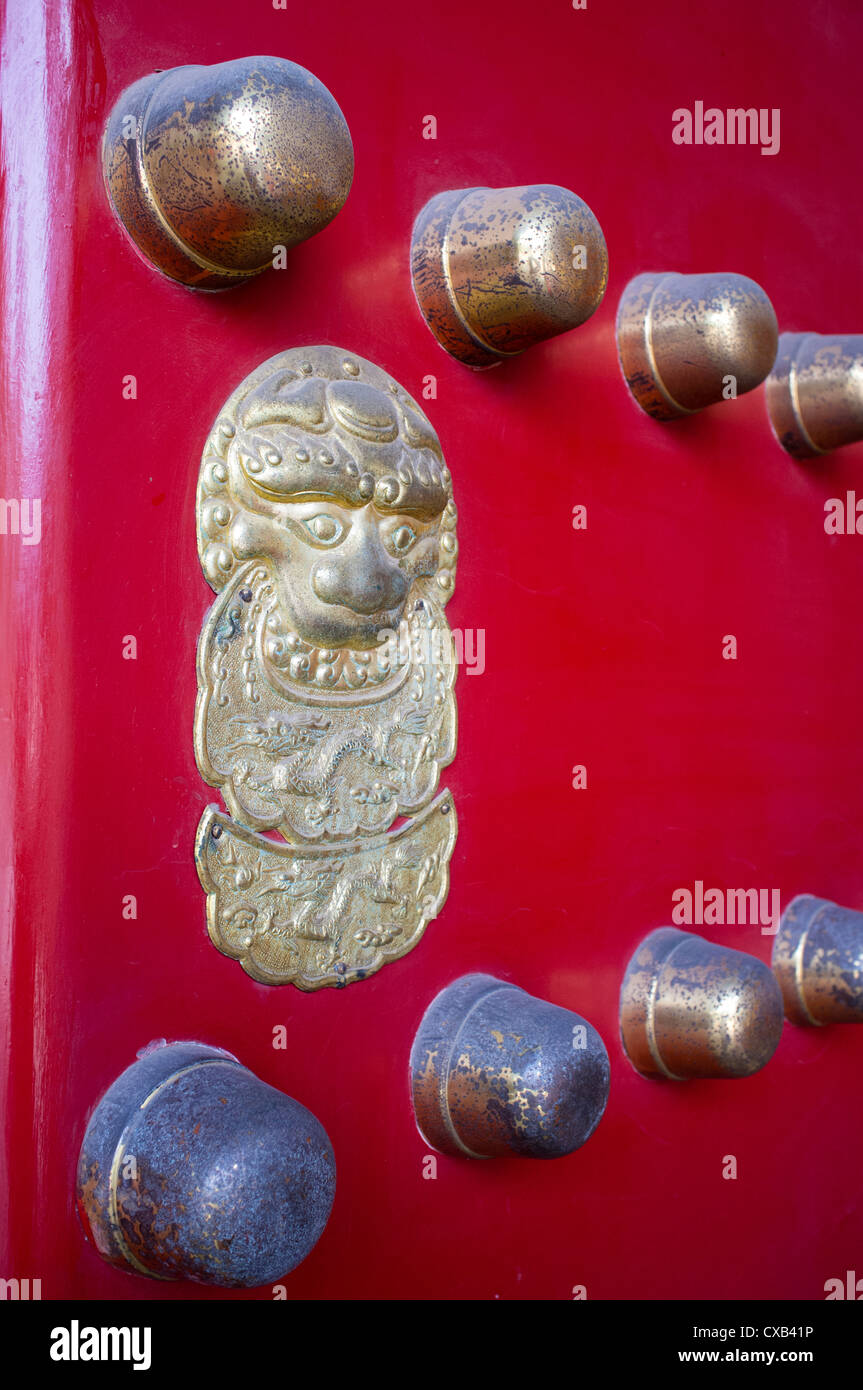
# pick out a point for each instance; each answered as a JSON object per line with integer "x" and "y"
{"x": 367, "y": 585}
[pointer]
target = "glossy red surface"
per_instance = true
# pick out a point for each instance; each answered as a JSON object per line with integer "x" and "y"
{"x": 603, "y": 647}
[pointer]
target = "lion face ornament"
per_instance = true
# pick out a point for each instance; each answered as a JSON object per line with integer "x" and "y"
{"x": 325, "y": 707}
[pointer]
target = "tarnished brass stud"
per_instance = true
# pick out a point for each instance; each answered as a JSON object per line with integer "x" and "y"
{"x": 496, "y": 270}
{"x": 815, "y": 393}
{"x": 496, "y": 1072}
{"x": 212, "y": 169}
{"x": 193, "y": 1168}
{"x": 818, "y": 961}
{"x": 688, "y": 341}
{"x": 689, "y": 1008}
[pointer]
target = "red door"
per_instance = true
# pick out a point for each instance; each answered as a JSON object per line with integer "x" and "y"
{"x": 603, "y": 646}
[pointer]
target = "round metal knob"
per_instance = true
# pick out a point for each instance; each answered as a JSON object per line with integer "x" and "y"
{"x": 193, "y": 1168}
{"x": 211, "y": 169}
{"x": 498, "y": 269}
{"x": 818, "y": 961}
{"x": 496, "y": 1072}
{"x": 688, "y": 341}
{"x": 689, "y": 1008}
{"x": 815, "y": 393}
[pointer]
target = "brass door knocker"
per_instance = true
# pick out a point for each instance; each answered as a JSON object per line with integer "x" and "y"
{"x": 325, "y": 707}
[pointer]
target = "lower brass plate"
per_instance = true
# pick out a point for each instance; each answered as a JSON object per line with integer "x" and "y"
{"x": 315, "y": 915}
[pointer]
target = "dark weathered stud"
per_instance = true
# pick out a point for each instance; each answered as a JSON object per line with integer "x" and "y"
{"x": 496, "y": 270}
{"x": 193, "y": 1168}
{"x": 496, "y": 1072}
{"x": 689, "y": 1008}
{"x": 215, "y": 171}
{"x": 815, "y": 393}
{"x": 688, "y": 341}
{"x": 818, "y": 961}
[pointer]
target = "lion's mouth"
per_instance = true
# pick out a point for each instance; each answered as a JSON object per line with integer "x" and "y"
{"x": 332, "y": 668}
{"x": 316, "y": 674}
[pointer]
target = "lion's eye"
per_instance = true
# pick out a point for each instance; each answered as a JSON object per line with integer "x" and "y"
{"x": 324, "y": 529}
{"x": 402, "y": 538}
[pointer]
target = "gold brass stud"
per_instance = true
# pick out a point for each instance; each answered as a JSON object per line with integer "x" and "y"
{"x": 689, "y": 1008}
{"x": 496, "y": 270}
{"x": 213, "y": 171}
{"x": 815, "y": 393}
{"x": 818, "y": 961}
{"x": 688, "y": 341}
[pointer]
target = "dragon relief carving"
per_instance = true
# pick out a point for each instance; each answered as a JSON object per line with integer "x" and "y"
{"x": 325, "y": 707}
